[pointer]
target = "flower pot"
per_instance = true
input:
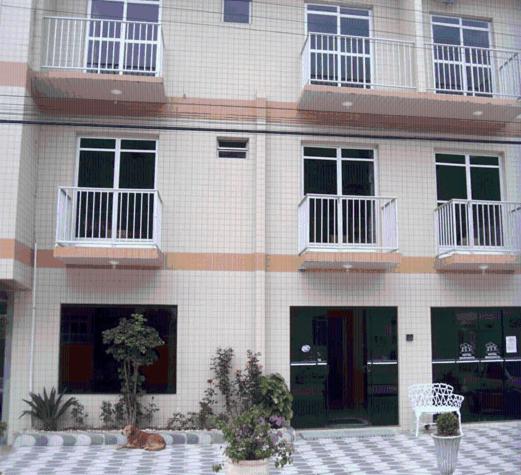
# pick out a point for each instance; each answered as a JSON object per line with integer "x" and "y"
{"x": 447, "y": 453}
{"x": 247, "y": 467}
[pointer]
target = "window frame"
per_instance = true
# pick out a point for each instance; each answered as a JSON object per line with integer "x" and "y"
{"x": 250, "y": 14}
{"x": 340, "y": 15}
{"x": 246, "y": 150}
{"x": 338, "y": 159}
{"x": 468, "y": 167}
{"x": 117, "y": 157}
{"x": 175, "y": 314}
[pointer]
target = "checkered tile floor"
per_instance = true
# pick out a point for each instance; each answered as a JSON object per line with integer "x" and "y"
{"x": 491, "y": 449}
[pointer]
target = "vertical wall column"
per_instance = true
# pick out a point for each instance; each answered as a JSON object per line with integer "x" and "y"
{"x": 414, "y": 11}
{"x": 260, "y": 232}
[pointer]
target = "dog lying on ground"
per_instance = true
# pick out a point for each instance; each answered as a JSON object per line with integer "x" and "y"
{"x": 138, "y": 439}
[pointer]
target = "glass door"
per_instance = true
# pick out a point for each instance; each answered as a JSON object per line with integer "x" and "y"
{"x": 123, "y": 37}
{"x": 340, "y": 48}
{"x": 382, "y": 365}
{"x": 462, "y": 59}
{"x": 309, "y": 366}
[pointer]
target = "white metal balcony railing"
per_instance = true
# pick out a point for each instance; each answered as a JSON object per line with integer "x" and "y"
{"x": 355, "y": 61}
{"x": 104, "y": 216}
{"x": 478, "y": 226}
{"x": 102, "y": 46}
{"x": 474, "y": 71}
{"x": 331, "y": 222}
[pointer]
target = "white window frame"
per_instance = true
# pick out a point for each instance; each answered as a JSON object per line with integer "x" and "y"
{"x": 338, "y": 159}
{"x": 230, "y": 149}
{"x": 117, "y": 156}
{"x": 468, "y": 167}
{"x": 250, "y": 15}
{"x": 339, "y": 15}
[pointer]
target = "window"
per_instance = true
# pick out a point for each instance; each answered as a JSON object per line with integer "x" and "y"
{"x": 133, "y": 49}
{"x": 236, "y": 11}
{"x": 340, "y": 52}
{"x": 462, "y": 59}
{"x": 232, "y": 148}
{"x": 85, "y": 367}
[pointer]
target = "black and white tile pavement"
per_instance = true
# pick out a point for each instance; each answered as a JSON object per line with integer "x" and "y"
{"x": 485, "y": 449}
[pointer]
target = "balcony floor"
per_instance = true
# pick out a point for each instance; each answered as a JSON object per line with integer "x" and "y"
{"x": 478, "y": 262}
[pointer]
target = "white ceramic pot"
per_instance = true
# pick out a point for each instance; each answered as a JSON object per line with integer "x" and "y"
{"x": 447, "y": 453}
{"x": 247, "y": 467}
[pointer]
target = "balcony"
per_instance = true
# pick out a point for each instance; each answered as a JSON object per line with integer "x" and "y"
{"x": 478, "y": 235}
{"x": 97, "y": 59}
{"x": 100, "y": 226}
{"x": 348, "y": 232}
{"x": 380, "y": 76}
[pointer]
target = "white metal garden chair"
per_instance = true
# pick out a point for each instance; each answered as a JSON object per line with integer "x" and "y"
{"x": 432, "y": 399}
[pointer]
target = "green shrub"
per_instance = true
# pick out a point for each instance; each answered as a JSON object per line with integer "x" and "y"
{"x": 250, "y": 437}
{"x": 275, "y": 397}
{"x": 78, "y": 414}
{"x": 3, "y": 429}
{"x": 48, "y": 408}
{"x": 447, "y": 425}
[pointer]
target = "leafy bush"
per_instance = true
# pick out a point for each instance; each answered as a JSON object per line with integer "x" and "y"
{"x": 3, "y": 429}
{"x": 78, "y": 415}
{"x": 112, "y": 415}
{"x": 275, "y": 397}
{"x": 132, "y": 343}
{"x": 250, "y": 437}
{"x": 48, "y": 408}
{"x": 447, "y": 425}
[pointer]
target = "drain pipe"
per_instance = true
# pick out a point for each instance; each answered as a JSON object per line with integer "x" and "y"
{"x": 33, "y": 319}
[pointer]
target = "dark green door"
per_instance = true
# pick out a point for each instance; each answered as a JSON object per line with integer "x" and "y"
{"x": 309, "y": 369}
{"x": 382, "y": 366}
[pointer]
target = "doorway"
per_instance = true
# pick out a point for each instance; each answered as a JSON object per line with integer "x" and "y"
{"x": 344, "y": 367}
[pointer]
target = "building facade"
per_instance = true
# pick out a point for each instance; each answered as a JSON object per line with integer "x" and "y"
{"x": 336, "y": 185}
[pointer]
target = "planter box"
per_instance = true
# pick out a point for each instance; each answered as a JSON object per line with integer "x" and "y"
{"x": 447, "y": 453}
{"x": 247, "y": 467}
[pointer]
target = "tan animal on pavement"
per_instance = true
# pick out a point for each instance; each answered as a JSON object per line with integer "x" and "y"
{"x": 138, "y": 439}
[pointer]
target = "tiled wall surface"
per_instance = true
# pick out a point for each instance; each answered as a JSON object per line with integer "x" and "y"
{"x": 248, "y": 206}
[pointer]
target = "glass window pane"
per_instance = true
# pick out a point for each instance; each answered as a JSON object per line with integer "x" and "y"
{"x": 320, "y": 152}
{"x": 475, "y": 23}
{"x": 447, "y": 158}
{"x": 322, "y": 23}
{"x": 237, "y": 11}
{"x": 107, "y": 9}
{"x": 354, "y": 27}
{"x": 321, "y": 8}
{"x": 466, "y": 322}
{"x": 98, "y": 143}
{"x": 320, "y": 177}
{"x": 138, "y": 144}
{"x": 85, "y": 366}
{"x": 354, "y": 12}
{"x": 96, "y": 169}
{"x": 446, "y": 35}
{"x": 357, "y": 178}
{"x": 444, "y": 335}
{"x": 137, "y": 170}
{"x": 484, "y": 161}
{"x": 485, "y": 184}
{"x": 476, "y": 38}
{"x": 357, "y": 153}
{"x": 142, "y": 12}
{"x": 444, "y": 19}
{"x": 451, "y": 182}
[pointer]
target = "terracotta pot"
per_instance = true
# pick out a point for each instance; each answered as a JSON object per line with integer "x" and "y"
{"x": 247, "y": 467}
{"x": 447, "y": 453}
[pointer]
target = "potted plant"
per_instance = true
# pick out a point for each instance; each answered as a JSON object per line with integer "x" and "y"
{"x": 252, "y": 440}
{"x": 446, "y": 442}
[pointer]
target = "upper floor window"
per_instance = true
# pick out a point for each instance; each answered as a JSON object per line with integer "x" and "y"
{"x": 237, "y": 11}
{"x": 232, "y": 148}
{"x": 339, "y": 46}
{"x": 463, "y": 60}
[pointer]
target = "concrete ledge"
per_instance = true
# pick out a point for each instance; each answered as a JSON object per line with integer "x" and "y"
{"x": 85, "y": 438}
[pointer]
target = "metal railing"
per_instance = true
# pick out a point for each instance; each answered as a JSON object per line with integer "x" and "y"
{"x": 348, "y": 223}
{"x": 478, "y": 226}
{"x": 102, "y": 46}
{"x": 355, "y": 61}
{"x": 104, "y": 216}
{"x": 474, "y": 71}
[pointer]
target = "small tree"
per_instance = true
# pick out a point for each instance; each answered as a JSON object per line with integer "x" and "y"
{"x": 132, "y": 344}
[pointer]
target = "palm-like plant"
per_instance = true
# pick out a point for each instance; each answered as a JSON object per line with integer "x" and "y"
{"x": 49, "y": 408}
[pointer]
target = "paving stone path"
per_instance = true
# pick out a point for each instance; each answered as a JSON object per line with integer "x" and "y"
{"x": 485, "y": 449}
